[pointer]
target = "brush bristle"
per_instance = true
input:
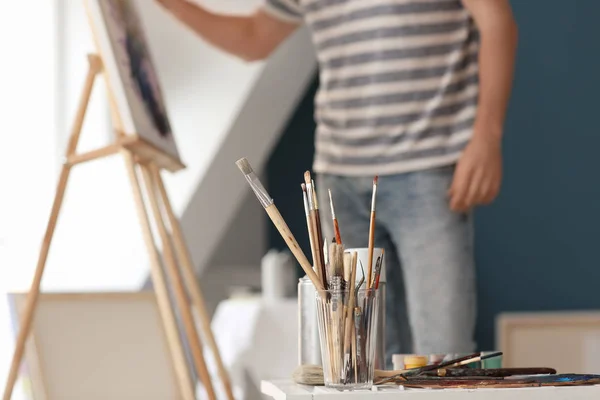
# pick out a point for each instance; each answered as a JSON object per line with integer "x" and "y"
{"x": 336, "y": 257}
{"x": 347, "y": 266}
{"x": 307, "y": 178}
{"x": 244, "y": 166}
{"x": 303, "y": 185}
{"x": 311, "y": 375}
{"x": 376, "y": 180}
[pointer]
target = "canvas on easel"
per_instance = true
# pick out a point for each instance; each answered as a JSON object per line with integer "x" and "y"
{"x": 132, "y": 78}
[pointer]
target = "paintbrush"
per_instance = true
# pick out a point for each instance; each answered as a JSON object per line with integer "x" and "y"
{"x": 336, "y": 227}
{"x": 349, "y": 317}
{"x": 336, "y": 268}
{"x": 489, "y": 372}
{"x": 372, "y": 234}
{"x": 378, "y": 266}
{"x": 471, "y": 358}
{"x": 269, "y": 205}
{"x": 315, "y": 241}
{"x": 347, "y": 268}
{"x": 317, "y": 217}
{"x": 311, "y": 238}
{"x": 316, "y": 227}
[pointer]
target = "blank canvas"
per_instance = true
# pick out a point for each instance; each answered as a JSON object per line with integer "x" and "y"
{"x": 98, "y": 346}
{"x": 566, "y": 341}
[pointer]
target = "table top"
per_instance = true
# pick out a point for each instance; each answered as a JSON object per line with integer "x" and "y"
{"x": 287, "y": 390}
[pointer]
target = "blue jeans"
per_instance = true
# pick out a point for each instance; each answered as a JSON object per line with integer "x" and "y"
{"x": 431, "y": 299}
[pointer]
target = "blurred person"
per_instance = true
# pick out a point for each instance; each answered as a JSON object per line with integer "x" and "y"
{"x": 414, "y": 91}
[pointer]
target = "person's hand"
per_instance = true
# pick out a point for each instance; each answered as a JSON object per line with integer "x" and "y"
{"x": 478, "y": 174}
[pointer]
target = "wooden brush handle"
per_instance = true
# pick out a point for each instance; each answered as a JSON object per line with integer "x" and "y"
{"x": 349, "y": 317}
{"x": 321, "y": 253}
{"x": 386, "y": 374}
{"x": 336, "y": 230}
{"x": 293, "y": 245}
{"x": 314, "y": 245}
{"x": 371, "y": 248}
{"x": 499, "y": 372}
{"x": 310, "y": 239}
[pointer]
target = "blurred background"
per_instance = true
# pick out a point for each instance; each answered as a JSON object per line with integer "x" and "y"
{"x": 537, "y": 245}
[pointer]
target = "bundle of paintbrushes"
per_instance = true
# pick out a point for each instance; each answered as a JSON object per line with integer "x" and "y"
{"x": 347, "y": 306}
{"x": 347, "y": 316}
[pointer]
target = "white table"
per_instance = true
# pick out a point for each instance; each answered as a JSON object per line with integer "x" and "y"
{"x": 257, "y": 340}
{"x": 287, "y": 390}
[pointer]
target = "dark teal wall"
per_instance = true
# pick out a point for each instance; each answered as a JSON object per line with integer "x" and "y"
{"x": 538, "y": 245}
{"x": 292, "y": 156}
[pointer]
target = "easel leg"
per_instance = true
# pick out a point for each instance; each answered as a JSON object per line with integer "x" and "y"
{"x": 178, "y": 285}
{"x": 160, "y": 287}
{"x": 34, "y": 291}
{"x": 192, "y": 284}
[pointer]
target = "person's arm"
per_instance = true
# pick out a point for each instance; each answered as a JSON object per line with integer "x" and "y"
{"x": 478, "y": 173}
{"x": 251, "y": 38}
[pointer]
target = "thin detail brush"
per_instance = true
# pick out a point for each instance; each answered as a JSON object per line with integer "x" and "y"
{"x": 336, "y": 227}
{"x": 372, "y": 234}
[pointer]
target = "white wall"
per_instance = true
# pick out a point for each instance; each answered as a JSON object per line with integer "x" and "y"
{"x": 98, "y": 243}
{"x": 27, "y": 141}
{"x": 27, "y": 148}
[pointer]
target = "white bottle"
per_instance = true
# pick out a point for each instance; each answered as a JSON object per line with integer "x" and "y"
{"x": 278, "y": 275}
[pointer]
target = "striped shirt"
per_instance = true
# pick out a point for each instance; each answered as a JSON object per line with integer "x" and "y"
{"x": 398, "y": 82}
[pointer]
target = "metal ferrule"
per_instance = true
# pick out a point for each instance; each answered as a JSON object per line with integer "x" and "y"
{"x": 309, "y": 191}
{"x": 259, "y": 190}
{"x": 373, "y": 199}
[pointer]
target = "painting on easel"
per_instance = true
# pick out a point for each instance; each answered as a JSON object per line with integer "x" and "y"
{"x": 132, "y": 77}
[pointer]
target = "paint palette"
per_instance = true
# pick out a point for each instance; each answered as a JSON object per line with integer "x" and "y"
{"x": 513, "y": 382}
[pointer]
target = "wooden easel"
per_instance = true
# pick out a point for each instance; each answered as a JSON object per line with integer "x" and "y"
{"x": 140, "y": 157}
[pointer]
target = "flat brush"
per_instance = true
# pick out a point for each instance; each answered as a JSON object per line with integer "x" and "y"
{"x": 347, "y": 267}
{"x": 336, "y": 227}
{"x": 269, "y": 205}
{"x": 336, "y": 261}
